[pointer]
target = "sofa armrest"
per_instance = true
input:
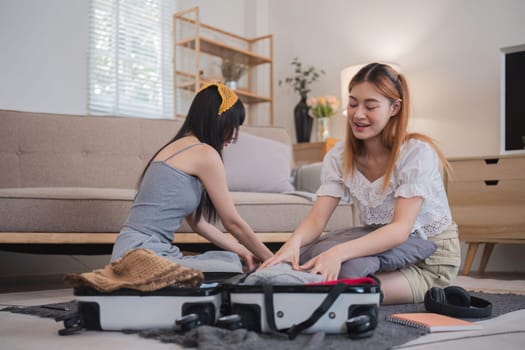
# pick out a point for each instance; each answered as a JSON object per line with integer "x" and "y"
{"x": 308, "y": 177}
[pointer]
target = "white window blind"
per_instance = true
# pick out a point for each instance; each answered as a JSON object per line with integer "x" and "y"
{"x": 130, "y": 58}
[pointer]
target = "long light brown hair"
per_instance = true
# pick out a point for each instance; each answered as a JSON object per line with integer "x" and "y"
{"x": 393, "y": 86}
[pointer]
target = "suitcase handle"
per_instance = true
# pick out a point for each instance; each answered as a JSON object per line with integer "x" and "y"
{"x": 294, "y": 330}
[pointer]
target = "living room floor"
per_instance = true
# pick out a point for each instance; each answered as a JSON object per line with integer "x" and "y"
{"x": 19, "y": 331}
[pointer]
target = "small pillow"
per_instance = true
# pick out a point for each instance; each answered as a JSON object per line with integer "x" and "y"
{"x": 411, "y": 251}
{"x": 257, "y": 164}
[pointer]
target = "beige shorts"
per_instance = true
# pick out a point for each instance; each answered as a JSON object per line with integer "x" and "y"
{"x": 439, "y": 269}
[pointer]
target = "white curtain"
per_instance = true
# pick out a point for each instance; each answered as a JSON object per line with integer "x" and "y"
{"x": 130, "y": 58}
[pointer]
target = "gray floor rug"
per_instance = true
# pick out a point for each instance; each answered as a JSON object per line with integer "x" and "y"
{"x": 386, "y": 335}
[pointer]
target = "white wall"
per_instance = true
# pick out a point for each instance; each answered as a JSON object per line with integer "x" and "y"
{"x": 449, "y": 51}
{"x": 228, "y": 15}
{"x": 43, "y": 65}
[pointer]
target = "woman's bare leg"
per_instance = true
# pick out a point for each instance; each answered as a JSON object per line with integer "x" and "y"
{"x": 395, "y": 287}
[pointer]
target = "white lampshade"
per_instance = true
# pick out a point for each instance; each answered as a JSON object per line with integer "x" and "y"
{"x": 347, "y": 74}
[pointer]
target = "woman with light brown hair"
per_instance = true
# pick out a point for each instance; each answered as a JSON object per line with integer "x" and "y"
{"x": 395, "y": 179}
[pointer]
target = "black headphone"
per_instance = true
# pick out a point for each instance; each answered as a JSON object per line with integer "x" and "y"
{"x": 456, "y": 302}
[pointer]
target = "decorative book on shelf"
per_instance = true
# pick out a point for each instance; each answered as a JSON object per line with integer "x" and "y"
{"x": 432, "y": 322}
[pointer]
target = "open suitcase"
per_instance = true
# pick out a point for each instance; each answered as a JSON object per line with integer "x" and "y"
{"x": 349, "y": 307}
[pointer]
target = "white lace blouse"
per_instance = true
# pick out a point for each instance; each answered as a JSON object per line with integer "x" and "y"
{"x": 416, "y": 173}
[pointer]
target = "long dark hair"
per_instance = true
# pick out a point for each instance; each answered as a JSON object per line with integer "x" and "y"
{"x": 204, "y": 122}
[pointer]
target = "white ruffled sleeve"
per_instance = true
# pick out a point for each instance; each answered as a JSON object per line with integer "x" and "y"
{"x": 332, "y": 183}
{"x": 418, "y": 170}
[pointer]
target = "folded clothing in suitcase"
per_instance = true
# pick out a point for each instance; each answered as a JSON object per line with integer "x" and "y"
{"x": 135, "y": 310}
{"x": 332, "y": 307}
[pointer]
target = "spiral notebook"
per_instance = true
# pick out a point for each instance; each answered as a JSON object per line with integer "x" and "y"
{"x": 433, "y": 322}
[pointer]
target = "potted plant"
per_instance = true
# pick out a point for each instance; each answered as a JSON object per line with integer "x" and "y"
{"x": 232, "y": 72}
{"x": 301, "y": 80}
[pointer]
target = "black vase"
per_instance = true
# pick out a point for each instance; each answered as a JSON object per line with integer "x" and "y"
{"x": 303, "y": 122}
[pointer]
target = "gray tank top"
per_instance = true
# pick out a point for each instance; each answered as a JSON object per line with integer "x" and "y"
{"x": 165, "y": 197}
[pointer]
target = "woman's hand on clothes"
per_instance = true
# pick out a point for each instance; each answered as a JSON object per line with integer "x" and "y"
{"x": 289, "y": 252}
{"x": 250, "y": 261}
{"x": 326, "y": 264}
{"x": 218, "y": 238}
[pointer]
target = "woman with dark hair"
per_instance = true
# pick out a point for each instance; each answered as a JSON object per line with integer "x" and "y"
{"x": 186, "y": 179}
{"x": 395, "y": 179}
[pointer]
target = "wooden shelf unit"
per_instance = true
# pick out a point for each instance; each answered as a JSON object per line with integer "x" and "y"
{"x": 201, "y": 44}
{"x": 217, "y": 48}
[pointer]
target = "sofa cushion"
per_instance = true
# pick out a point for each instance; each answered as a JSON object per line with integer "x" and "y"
{"x": 77, "y": 193}
{"x": 64, "y": 209}
{"x": 257, "y": 164}
{"x": 77, "y": 151}
{"x": 105, "y": 210}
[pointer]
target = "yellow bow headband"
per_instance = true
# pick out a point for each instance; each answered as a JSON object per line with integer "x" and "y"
{"x": 228, "y": 96}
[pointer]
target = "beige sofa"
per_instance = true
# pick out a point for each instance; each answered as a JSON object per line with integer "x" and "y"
{"x": 71, "y": 180}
